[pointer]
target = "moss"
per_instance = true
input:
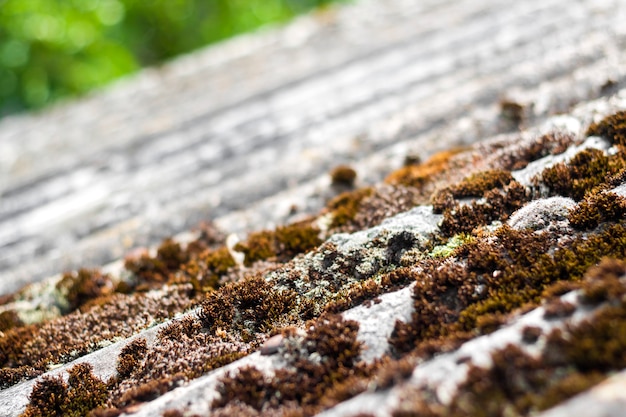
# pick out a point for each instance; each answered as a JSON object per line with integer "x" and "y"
{"x": 149, "y": 391}
{"x": 494, "y": 275}
{"x": 247, "y": 307}
{"x": 497, "y": 205}
{"x": 343, "y": 175}
{"x": 558, "y": 309}
{"x": 511, "y": 110}
{"x": 345, "y": 206}
{"x": 588, "y": 170}
{"x": 83, "y": 286}
{"x": 155, "y": 270}
{"x": 47, "y": 398}
{"x": 296, "y": 238}
{"x": 353, "y": 296}
{"x": 596, "y": 208}
{"x": 476, "y": 185}
{"x": 12, "y": 376}
{"x": 86, "y": 391}
{"x": 573, "y": 384}
{"x": 282, "y": 244}
{"x": 531, "y": 334}
{"x": 9, "y": 319}
{"x": 258, "y": 246}
{"x": 331, "y": 340}
{"x": 602, "y": 282}
{"x": 612, "y": 127}
{"x": 52, "y": 396}
{"x": 443, "y": 251}
{"x": 130, "y": 357}
{"x": 205, "y": 269}
{"x": 420, "y": 175}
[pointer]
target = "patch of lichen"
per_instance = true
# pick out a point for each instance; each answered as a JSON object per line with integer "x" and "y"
{"x": 52, "y": 396}
{"x": 320, "y": 362}
{"x": 588, "y": 171}
{"x": 494, "y": 275}
{"x": 281, "y": 244}
{"x": 612, "y": 127}
{"x": 598, "y": 207}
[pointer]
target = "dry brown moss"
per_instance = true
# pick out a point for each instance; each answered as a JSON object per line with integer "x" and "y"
{"x": 587, "y": 171}
{"x": 596, "y": 208}
{"x": 321, "y": 361}
{"x": 83, "y": 286}
{"x": 52, "y": 396}
{"x": 419, "y": 175}
{"x": 343, "y": 175}
{"x": 497, "y": 205}
{"x": 612, "y": 127}
{"x": 248, "y": 307}
{"x": 491, "y": 276}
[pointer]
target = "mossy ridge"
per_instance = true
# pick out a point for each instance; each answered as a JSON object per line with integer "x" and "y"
{"x": 32, "y": 349}
{"x": 572, "y": 359}
{"x": 494, "y": 275}
{"x": 320, "y": 361}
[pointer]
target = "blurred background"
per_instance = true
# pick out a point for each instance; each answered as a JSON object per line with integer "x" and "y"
{"x": 53, "y": 49}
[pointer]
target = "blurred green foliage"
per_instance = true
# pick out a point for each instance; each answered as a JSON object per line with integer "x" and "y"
{"x": 51, "y": 49}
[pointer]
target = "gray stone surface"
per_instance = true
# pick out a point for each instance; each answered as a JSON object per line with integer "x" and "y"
{"x": 220, "y": 133}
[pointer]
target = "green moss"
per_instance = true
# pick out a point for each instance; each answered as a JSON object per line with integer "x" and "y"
{"x": 282, "y": 244}
{"x": 443, "y": 251}
{"x": 612, "y": 127}
{"x": 296, "y": 238}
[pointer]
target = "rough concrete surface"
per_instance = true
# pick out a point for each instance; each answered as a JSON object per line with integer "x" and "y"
{"x": 245, "y": 133}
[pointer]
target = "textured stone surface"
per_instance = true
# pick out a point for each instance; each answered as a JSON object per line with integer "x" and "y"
{"x": 243, "y": 131}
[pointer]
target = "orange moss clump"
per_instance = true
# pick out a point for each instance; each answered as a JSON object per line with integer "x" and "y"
{"x": 419, "y": 175}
